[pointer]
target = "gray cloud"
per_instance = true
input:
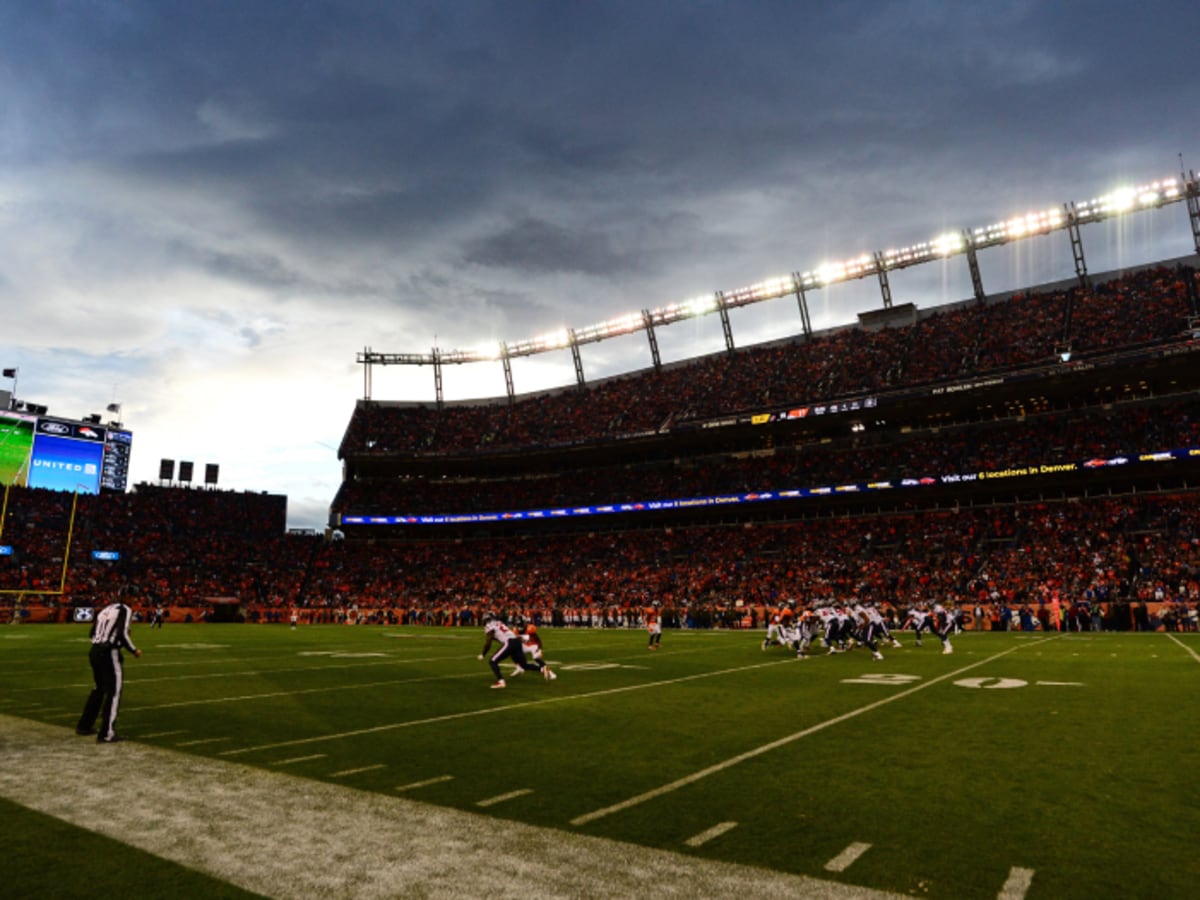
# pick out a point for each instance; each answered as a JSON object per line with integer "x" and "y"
{"x": 534, "y": 245}
{"x": 341, "y": 174}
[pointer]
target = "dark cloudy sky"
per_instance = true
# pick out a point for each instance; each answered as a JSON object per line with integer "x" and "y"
{"x": 207, "y": 209}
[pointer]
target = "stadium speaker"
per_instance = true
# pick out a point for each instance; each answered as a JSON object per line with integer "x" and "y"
{"x": 210, "y": 473}
{"x": 185, "y": 471}
{"x": 166, "y": 470}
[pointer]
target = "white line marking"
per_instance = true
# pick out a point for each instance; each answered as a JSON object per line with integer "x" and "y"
{"x": 1195, "y": 655}
{"x": 843, "y": 860}
{"x": 359, "y": 769}
{"x": 425, "y": 783}
{"x": 1017, "y": 884}
{"x": 774, "y": 745}
{"x": 391, "y": 682}
{"x": 158, "y": 734}
{"x": 511, "y": 795}
{"x": 499, "y": 709}
{"x": 296, "y": 759}
{"x": 705, "y": 836}
{"x": 197, "y": 743}
{"x": 1060, "y": 683}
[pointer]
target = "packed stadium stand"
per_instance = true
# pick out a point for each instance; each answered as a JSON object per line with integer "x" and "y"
{"x": 994, "y": 454}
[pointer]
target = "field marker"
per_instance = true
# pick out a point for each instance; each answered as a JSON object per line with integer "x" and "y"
{"x": 987, "y": 682}
{"x": 843, "y": 860}
{"x": 359, "y": 769}
{"x": 511, "y": 795}
{"x": 425, "y": 783}
{"x": 1060, "y": 683}
{"x": 705, "y": 836}
{"x": 197, "y": 743}
{"x": 296, "y": 759}
{"x": 158, "y": 734}
{"x": 775, "y": 745}
{"x": 1017, "y": 884}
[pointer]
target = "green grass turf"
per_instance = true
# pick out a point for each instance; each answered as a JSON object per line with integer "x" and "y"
{"x": 45, "y": 857}
{"x": 1086, "y": 773}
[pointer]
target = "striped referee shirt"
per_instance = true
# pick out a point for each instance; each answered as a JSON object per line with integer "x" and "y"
{"x": 111, "y": 627}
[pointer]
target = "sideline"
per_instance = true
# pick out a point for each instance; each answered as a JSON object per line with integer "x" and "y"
{"x": 283, "y": 836}
{"x": 1195, "y": 655}
{"x": 776, "y": 744}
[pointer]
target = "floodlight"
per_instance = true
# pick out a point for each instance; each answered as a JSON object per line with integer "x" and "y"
{"x": 1122, "y": 200}
{"x": 556, "y": 340}
{"x": 948, "y": 244}
{"x": 487, "y": 351}
{"x": 763, "y": 290}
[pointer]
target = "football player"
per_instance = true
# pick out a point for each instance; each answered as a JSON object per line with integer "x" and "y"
{"x": 510, "y": 648}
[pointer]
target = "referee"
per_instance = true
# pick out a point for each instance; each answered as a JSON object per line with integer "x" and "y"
{"x": 110, "y": 634}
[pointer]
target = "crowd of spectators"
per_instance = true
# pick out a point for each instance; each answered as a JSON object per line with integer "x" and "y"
{"x": 1146, "y": 307}
{"x": 1113, "y": 553}
{"x": 1052, "y": 438}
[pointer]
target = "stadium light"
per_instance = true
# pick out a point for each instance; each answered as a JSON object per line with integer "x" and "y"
{"x": 1037, "y": 222}
{"x": 941, "y": 246}
{"x": 1130, "y": 199}
{"x": 624, "y": 324}
{"x": 767, "y": 289}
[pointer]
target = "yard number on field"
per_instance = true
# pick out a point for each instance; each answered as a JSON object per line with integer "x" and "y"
{"x": 988, "y": 683}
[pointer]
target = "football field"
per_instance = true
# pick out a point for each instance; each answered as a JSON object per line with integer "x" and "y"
{"x": 373, "y": 761}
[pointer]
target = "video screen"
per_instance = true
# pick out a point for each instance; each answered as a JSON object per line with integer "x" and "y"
{"x": 67, "y": 456}
{"x": 16, "y": 444}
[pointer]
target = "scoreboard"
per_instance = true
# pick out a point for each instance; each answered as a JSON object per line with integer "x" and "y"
{"x": 63, "y": 454}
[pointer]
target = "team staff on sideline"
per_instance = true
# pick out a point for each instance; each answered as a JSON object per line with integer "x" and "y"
{"x": 110, "y": 635}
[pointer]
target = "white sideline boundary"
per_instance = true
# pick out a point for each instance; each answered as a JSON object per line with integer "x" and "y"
{"x": 288, "y": 837}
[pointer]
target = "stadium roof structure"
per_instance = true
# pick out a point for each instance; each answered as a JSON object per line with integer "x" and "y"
{"x": 1071, "y": 217}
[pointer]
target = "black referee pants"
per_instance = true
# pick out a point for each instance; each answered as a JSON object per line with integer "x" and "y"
{"x": 105, "y": 698}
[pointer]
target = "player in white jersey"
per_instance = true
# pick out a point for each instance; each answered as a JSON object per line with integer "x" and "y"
{"x": 831, "y": 629}
{"x": 510, "y": 648}
{"x": 946, "y": 620}
{"x": 871, "y": 628}
{"x": 921, "y": 620}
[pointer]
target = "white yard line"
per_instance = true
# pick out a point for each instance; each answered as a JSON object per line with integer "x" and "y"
{"x": 425, "y": 783}
{"x": 846, "y": 858}
{"x": 776, "y": 744}
{"x": 504, "y": 798}
{"x": 299, "y": 759}
{"x": 285, "y": 837}
{"x": 492, "y": 710}
{"x": 199, "y": 741}
{"x": 345, "y": 772}
{"x": 699, "y": 840}
{"x": 1017, "y": 885}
